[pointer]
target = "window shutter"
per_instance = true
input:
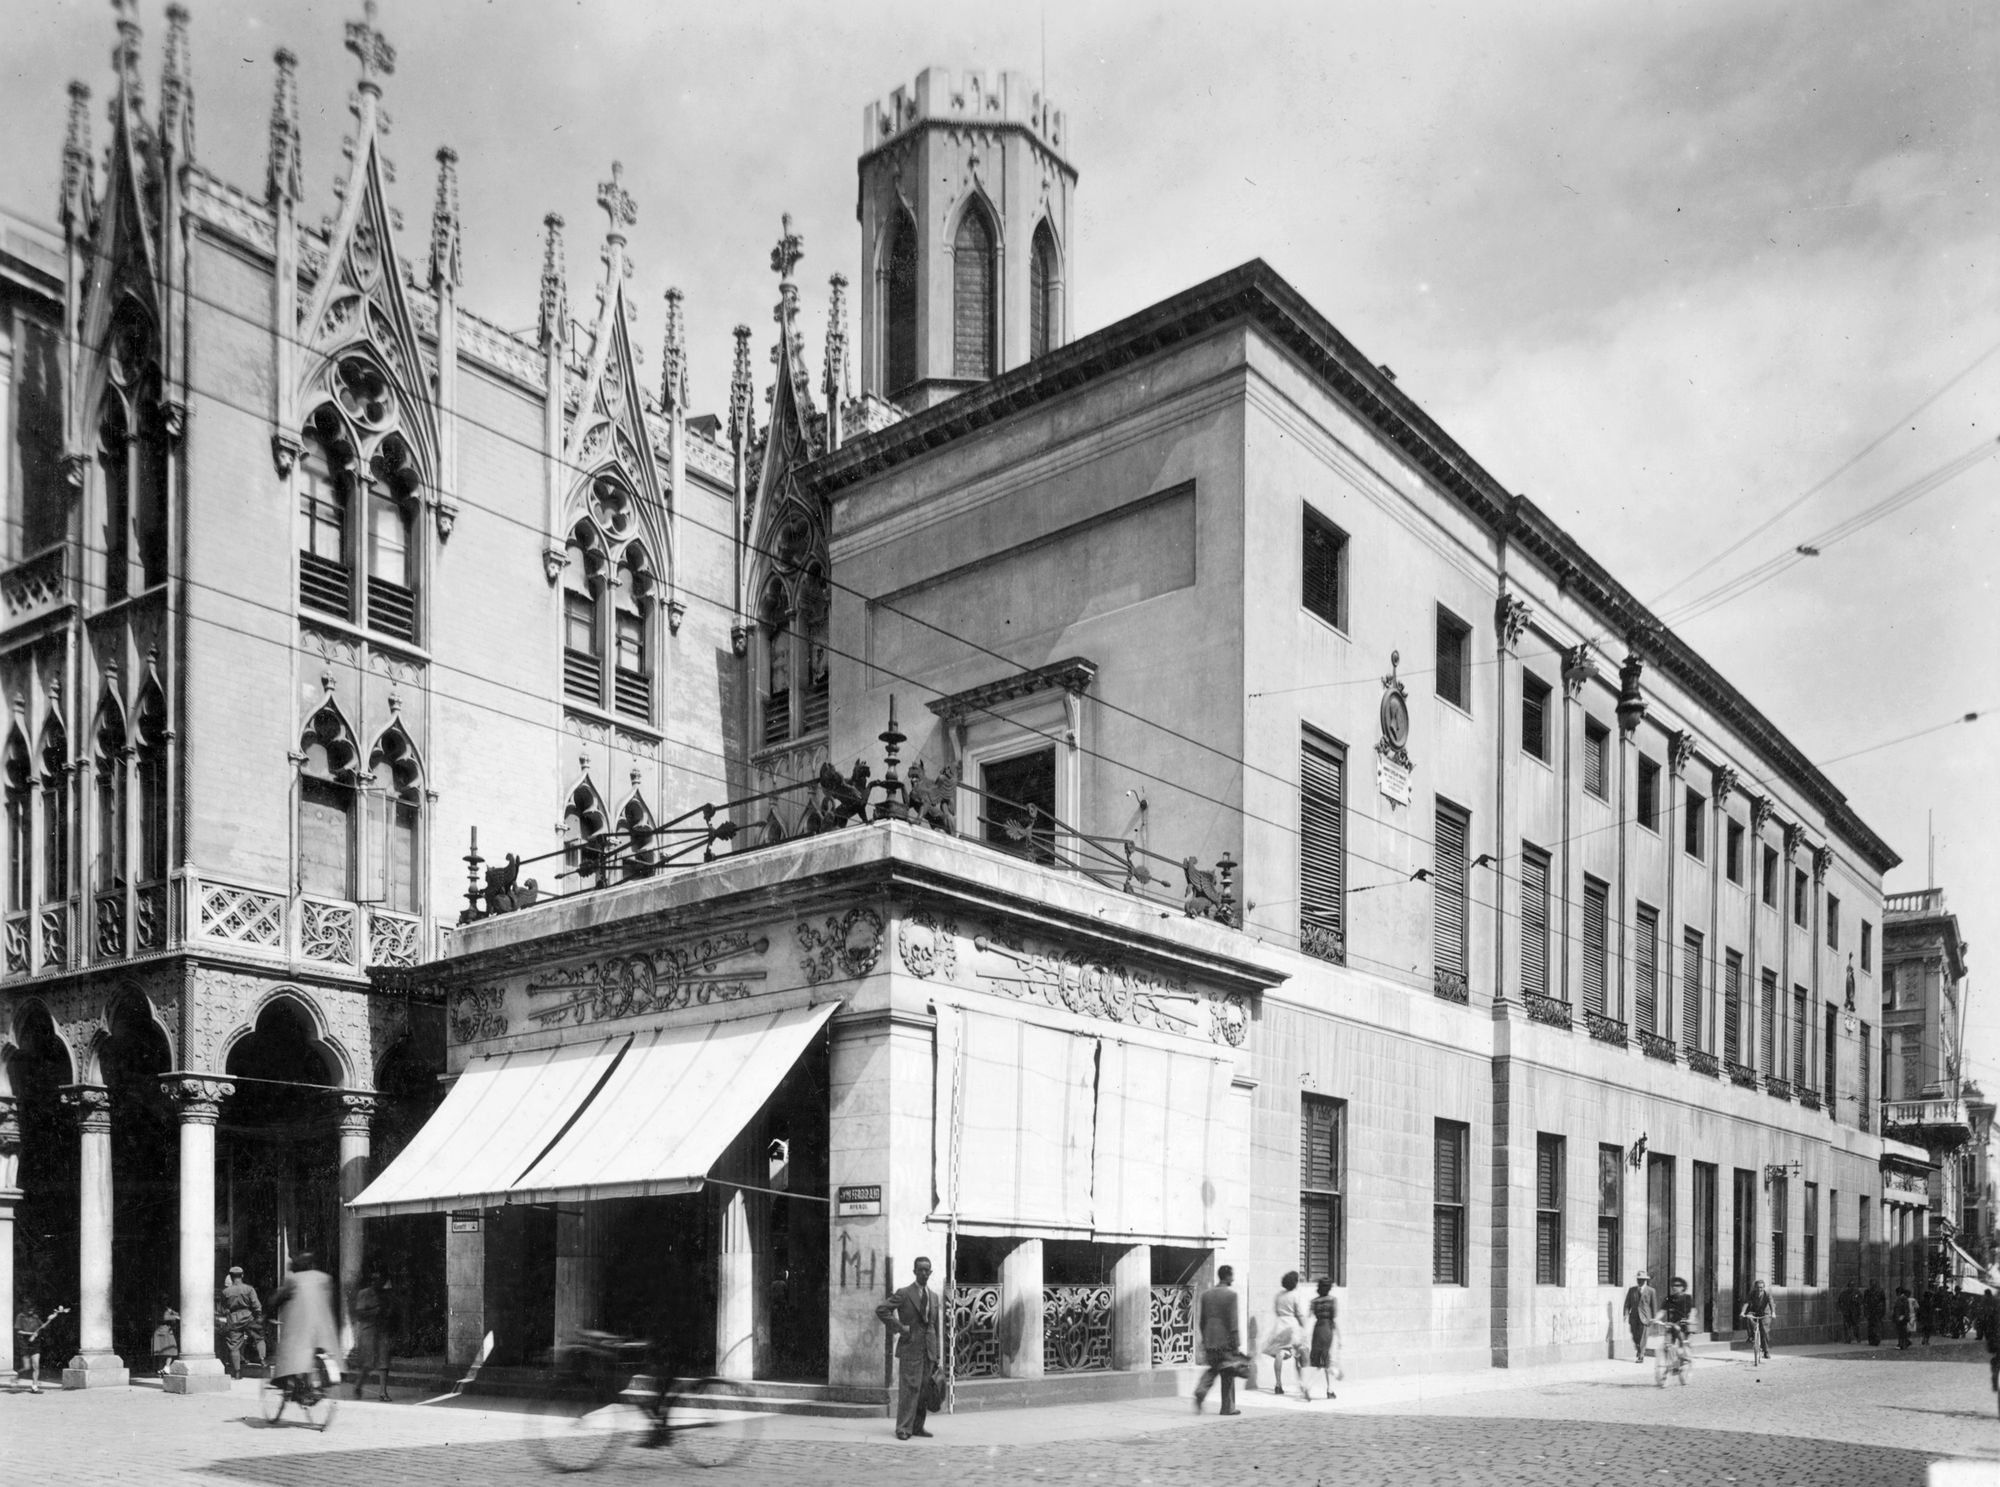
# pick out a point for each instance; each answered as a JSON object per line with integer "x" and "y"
{"x": 1545, "y": 1175}
{"x": 1545, "y": 1249}
{"x": 1768, "y": 1040}
{"x": 1646, "y": 968}
{"x": 1316, "y": 1236}
{"x": 1691, "y": 945}
{"x": 1319, "y": 1145}
{"x": 1799, "y": 1035}
{"x": 1593, "y": 759}
{"x": 1320, "y": 573}
{"x": 1534, "y": 719}
{"x": 1450, "y": 660}
{"x": 1534, "y": 921}
{"x": 1448, "y": 1175}
{"x": 1448, "y": 884}
{"x": 1322, "y": 853}
{"x": 1732, "y": 1008}
{"x": 1596, "y": 963}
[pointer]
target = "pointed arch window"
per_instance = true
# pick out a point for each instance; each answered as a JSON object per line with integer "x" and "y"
{"x": 134, "y": 453}
{"x": 326, "y": 581}
{"x": 583, "y": 626}
{"x": 586, "y": 841}
{"x": 635, "y": 825}
{"x": 972, "y": 279}
{"x": 392, "y": 547}
{"x": 109, "y": 765}
{"x": 632, "y": 636}
{"x": 779, "y": 665}
{"x": 327, "y": 806}
{"x": 359, "y": 499}
{"x": 55, "y": 812}
{"x": 899, "y": 330}
{"x": 39, "y": 502}
{"x": 20, "y": 785}
{"x": 149, "y": 499}
{"x": 114, "y": 455}
{"x": 1044, "y": 307}
{"x": 393, "y": 809}
{"x": 812, "y": 643}
{"x": 152, "y": 743}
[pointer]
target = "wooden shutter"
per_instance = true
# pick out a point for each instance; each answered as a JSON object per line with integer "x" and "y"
{"x": 1799, "y": 1035}
{"x": 1610, "y": 1206}
{"x": 1691, "y": 947}
{"x": 1448, "y": 1175}
{"x": 972, "y": 297}
{"x": 1320, "y": 572}
{"x": 1534, "y": 718}
{"x": 1548, "y": 1172}
{"x": 1322, "y": 853}
{"x": 1595, "y": 741}
{"x": 1534, "y": 921}
{"x": 1316, "y": 1227}
{"x": 1732, "y": 1008}
{"x": 1448, "y": 885}
{"x": 1450, "y": 659}
{"x": 1646, "y": 969}
{"x": 1769, "y": 1039}
{"x": 1596, "y": 955}
{"x": 1319, "y": 1145}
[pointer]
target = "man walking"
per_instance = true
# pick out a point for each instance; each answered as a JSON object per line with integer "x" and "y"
{"x": 242, "y": 1315}
{"x": 1850, "y": 1313}
{"x": 1873, "y": 1304}
{"x": 1642, "y": 1304}
{"x": 1902, "y": 1316}
{"x": 1220, "y": 1318}
{"x": 915, "y": 1320}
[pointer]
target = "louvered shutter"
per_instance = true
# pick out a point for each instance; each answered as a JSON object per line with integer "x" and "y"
{"x": 1448, "y": 883}
{"x": 1546, "y": 1249}
{"x": 1799, "y": 1035}
{"x": 1447, "y": 1216}
{"x": 1319, "y": 1145}
{"x": 1450, "y": 660}
{"x": 1595, "y": 742}
{"x": 1322, "y": 853}
{"x": 1691, "y": 989}
{"x": 1534, "y": 921}
{"x": 1596, "y": 955}
{"x": 1320, "y": 574}
{"x": 1769, "y": 1040}
{"x": 1732, "y": 1008}
{"x": 1547, "y": 1177}
{"x": 1645, "y": 968}
{"x": 1610, "y": 1202}
{"x": 1534, "y": 719}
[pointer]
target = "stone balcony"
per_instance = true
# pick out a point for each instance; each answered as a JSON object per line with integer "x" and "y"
{"x": 1927, "y": 1122}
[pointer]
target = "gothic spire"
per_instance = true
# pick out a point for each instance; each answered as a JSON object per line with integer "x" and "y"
{"x": 555, "y": 283}
{"x": 281, "y": 171}
{"x": 742, "y": 410}
{"x": 79, "y": 172}
{"x": 445, "y": 264}
{"x": 673, "y": 358}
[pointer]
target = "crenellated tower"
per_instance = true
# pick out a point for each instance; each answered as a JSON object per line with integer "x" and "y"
{"x": 966, "y": 233}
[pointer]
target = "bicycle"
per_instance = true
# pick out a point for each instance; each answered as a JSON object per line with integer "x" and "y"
{"x": 311, "y": 1392}
{"x": 1671, "y": 1357}
{"x": 606, "y": 1393}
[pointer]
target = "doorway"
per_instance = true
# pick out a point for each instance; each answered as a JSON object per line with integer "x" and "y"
{"x": 1743, "y": 1243}
{"x": 1704, "y": 1242}
{"x": 1660, "y": 1220}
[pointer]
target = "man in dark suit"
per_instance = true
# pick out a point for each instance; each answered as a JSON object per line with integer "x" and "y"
{"x": 1642, "y": 1304}
{"x": 1220, "y": 1317}
{"x": 914, "y": 1318}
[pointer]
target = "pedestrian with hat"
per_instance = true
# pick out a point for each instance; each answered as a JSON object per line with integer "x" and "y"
{"x": 242, "y": 1314}
{"x": 1642, "y": 1304}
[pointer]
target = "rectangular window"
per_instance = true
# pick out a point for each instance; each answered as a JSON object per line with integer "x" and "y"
{"x": 1800, "y": 902}
{"x": 1768, "y": 1024}
{"x": 326, "y": 838}
{"x": 1324, "y": 576}
{"x": 1812, "y": 1234}
{"x": 1646, "y": 969}
{"x": 1596, "y": 944}
{"x": 1732, "y": 1007}
{"x": 1829, "y": 1063}
{"x": 1832, "y": 922}
{"x": 580, "y": 624}
{"x": 1534, "y": 920}
{"x": 1322, "y": 1156}
{"x": 1610, "y": 1214}
{"x": 324, "y": 578}
{"x": 1800, "y": 1027}
{"x": 1889, "y": 977}
{"x": 1448, "y": 1187}
{"x": 1548, "y": 1210}
{"x": 1913, "y": 1063}
{"x": 1733, "y": 853}
{"x": 1596, "y": 758}
{"x": 631, "y": 676}
{"x": 1448, "y": 875}
{"x": 1322, "y": 850}
{"x": 400, "y": 858}
{"x": 1454, "y": 659}
{"x": 1691, "y": 953}
{"x": 1535, "y": 694}
{"x": 1864, "y": 1250}
{"x": 1694, "y": 820}
{"x": 1770, "y": 884}
{"x": 1867, "y": 946}
{"x": 1649, "y": 794}
{"x": 1019, "y": 804}
{"x": 1780, "y": 1202}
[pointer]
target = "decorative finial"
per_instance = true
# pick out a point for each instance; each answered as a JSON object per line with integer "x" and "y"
{"x": 791, "y": 248}
{"x": 79, "y": 183}
{"x": 742, "y": 413}
{"x": 445, "y": 266}
{"x": 281, "y": 172}
{"x": 555, "y": 286}
{"x": 836, "y": 340}
{"x": 673, "y": 357}
{"x": 371, "y": 47}
{"x": 177, "y": 85}
{"x": 617, "y": 203}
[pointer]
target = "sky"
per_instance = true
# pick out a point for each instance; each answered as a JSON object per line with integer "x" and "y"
{"x": 1668, "y": 270}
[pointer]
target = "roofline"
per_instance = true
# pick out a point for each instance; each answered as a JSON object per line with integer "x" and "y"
{"x": 1256, "y": 293}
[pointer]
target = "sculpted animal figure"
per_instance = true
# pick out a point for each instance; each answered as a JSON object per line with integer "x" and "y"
{"x": 844, "y": 800}
{"x": 1205, "y": 898}
{"x": 934, "y": 800}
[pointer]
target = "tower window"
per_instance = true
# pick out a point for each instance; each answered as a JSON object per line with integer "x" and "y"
{"x": 972, "y": 296}
{"x": 900, "y": 329}
{"x": 1044, "y": 313}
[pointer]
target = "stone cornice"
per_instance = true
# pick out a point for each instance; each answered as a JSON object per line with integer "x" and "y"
{"x": 1073, "y": 675}
{"x": 1255, "y": 294}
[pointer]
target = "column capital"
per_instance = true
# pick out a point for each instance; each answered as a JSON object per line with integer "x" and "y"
{"x": 90, "y": 1103}
{"x": 10, "y": 1126}
{"x": 198, "y": 1097}
{"x": 1511, "y": 614}
{"x": 1579, "y": 666}
{"x": 356, "y": 1109}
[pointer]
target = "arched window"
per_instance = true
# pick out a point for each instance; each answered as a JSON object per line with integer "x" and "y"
{"x": 899, "y": 330}
{"x": 584, "y": 839}
{"x": 20, "y": 785}
{"x": 972, "y": 295}
{"x": 55, "y": 811}
{"x": 583, "y": 628}
{"x": 41, "y": 503}
{"x": 359, "y": 499}
{"x": 1044, "y": 307}
{"x": 632, "y": 649}
{"x": 779, "y": 664}
{"x": 325, "y": 566}
{"x": 152, "y": 731}
{"x": 109, "y": 765}
{"x": 635, "y": 822}
{"x": 327, "y": 806}
{"x": 149, "y": 499}
{"x": 114, "y": 454}
{"x": 392, "y": 548}
{"x": 395, "y": 812}
{"x": 134, "y": 456}
{"x": 812, "y": 624}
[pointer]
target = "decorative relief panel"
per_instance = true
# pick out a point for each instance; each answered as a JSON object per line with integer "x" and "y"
{"x": 928, "y": 947}
{"x": 55, "y": 936}
{"x": 150, "y": 917}
{"x": 326, "y": 932}
{"x": 16, "y": 936}
{"x": 393, "y": 940}
{"x": 242, "y": 916}
{"x": 845, "y": 945}
{"x": 474, "y": 1013}
{"x": 693, "y": 973}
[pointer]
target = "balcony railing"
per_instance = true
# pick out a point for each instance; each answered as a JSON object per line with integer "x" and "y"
{"x": 1702, "y": 1062}
{"x": 1776, "y": 1088}
{"x": 33, "y": 588}
{"x": 1450, "y": 986}
{"x": 1922, "y": 1120}
{"x": 1743, "y": 1076}
{"x": 325, "y": 585}
{"x": 329, "y": 932}
{"x": 1546, "y": 1009}
{"x": 1605, "y": 1029}
{"x": 1655, "y": 1046}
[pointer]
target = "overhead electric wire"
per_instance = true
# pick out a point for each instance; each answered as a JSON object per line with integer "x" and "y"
{"x": 1972, "y": 717}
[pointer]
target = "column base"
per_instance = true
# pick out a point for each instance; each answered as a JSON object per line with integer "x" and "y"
{"x": 196, "y": 1376}
{"x": 96, "y": 1371}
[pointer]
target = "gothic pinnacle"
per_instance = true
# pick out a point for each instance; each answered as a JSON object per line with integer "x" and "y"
{"x": 445, "y": 265}
{"x": 555, "y": 287}
{"x": 673, "y": 357}
{"x": 281, "y": 173}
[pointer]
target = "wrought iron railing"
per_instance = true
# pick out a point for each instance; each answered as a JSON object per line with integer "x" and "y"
{"x": 1547, "y": 1009}
{"x": 975, "y": 1332}
{"x": 1173, "y": 1325}
{"x": 1779, "y": 1089}
{"x": 1703, "y": 1062}
{"x": 1450, "y": 986}
{"x": 1605, "y": 1029}
{"x": 1655, "y": 1046}
{"x": 1076, "y": 1329}
{"x": 1744, "y": 1075}
{"x": 1808, "y": 1097}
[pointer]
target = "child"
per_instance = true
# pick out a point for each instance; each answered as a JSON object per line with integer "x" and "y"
{"x": 166, "y": 1342}
{"x": 28, "y": 1326}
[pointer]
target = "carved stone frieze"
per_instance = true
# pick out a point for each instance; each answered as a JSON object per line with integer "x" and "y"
{"x": 690, "y": 973}
{"x": 844, "y": 945}
{"x": 929, "y": 948}
{"x": 476, "y": 1013}
{"x": 1107, "y": 989}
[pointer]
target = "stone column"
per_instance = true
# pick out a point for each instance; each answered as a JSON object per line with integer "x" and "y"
{"x": 10, "y": 1153}
{"x": 95, "y": 1365}
{"x": 735, "y": 1284}
{"x": 1021, "y": 1310}
{"x": 1132, "y": 1308}
{"x": 197, "y": 1370}
{"x": 357, "y": 1115}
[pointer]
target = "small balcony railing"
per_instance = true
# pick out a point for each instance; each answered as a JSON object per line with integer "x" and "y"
{"x": 325, "y": 585}
{"x": 1547, "y": 1009}
{"x": 1605, "y": 1029}
{"x": 1655, "y": 1046}
{"x": 392, "y": 609}
{"x": 34, "y": 588}
{"x": 1743, "y": 1076}
{"x": 1450, "y": 986}
{"x": 1702, "y": 1062}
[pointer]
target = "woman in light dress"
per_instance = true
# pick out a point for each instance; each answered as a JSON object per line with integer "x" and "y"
{"x": 1290, "y": 1328}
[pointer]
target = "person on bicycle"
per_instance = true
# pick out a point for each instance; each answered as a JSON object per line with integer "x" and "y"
{"x": 304, "y": 1308}
{"x": 1758, "y": 1313}
{"x": 1678, "y": 1310}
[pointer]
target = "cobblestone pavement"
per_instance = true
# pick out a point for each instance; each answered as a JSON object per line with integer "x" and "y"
{"x": 1799, "y": 1420}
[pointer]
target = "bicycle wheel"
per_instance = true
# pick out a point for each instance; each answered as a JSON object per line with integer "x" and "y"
{"x": 580, "y": 1421}
{"x": 703, "y": 1430}
{"x": 317, "y": 1405}
{"x": 1660, "y": 1365}
{"x": 270, "y": 1399}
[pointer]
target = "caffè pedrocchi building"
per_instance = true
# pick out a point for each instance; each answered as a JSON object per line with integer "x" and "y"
{"x": 729, "y": 1108}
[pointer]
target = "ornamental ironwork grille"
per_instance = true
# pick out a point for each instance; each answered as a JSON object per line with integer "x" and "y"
{"x": 1322, "y": 851}
{"x": 975, "y": 1332}
{"x": 1173, "y": 1325}
{"x": 1076, "y": 1329}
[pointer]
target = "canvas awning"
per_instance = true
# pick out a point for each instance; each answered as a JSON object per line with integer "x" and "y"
{"x": 504, "y": 1112}
{"x": 637, "y": 1115}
